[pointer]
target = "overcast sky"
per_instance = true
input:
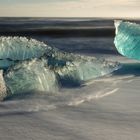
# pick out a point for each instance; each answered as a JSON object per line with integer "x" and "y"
{"x": 70, "y": 8}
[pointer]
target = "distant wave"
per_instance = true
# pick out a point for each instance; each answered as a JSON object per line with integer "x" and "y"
{"x": 64, "y": 32}
{"x": 57, "y": 26}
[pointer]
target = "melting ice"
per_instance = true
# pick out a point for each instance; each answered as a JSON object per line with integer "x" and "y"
{"x": 13, "y": 49}
{"x": 127, "y": 39}
{"x": 30, "y": 76}
{"x": 34, "y": 66}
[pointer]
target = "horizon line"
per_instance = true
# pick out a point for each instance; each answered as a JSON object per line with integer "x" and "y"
{"x": 70, "y": 17}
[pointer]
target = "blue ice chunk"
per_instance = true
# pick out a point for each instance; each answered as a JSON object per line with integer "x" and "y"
{"x": 82, "y": 69}
{"x": 38, "y": 67}
{"x": 127, "y": 39}
{"x": 28, "y": 76}
{"x": 3, "y": 90}
{"x": 14, "y": 49}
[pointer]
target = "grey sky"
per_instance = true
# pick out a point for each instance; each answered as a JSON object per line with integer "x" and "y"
{"x": 70, "y": 8}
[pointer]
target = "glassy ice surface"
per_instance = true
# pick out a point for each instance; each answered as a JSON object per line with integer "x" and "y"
{"x": 3, "y": 91}
{"x": 29, "y": 76}
{"x": 19, "y": 48}
{"x": 39, "y": 68}
{"x": 127, "y": 39}
{"x": 83, "y": 69}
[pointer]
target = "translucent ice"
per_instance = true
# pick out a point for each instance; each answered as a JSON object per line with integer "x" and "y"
{"x": 127, "y": 39}
{"x": 13, "y": 49}
{"x": 3, "y": 91}
{"x": 82, "y": 69}
{"x": 34, "y": 66}
{"x": 30, "y": 76}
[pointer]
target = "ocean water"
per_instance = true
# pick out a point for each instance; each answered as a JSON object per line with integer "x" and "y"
{"x": 101, "y": 109}
{"x": 90, "y": 37}
{"x": 70, "y": 34}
